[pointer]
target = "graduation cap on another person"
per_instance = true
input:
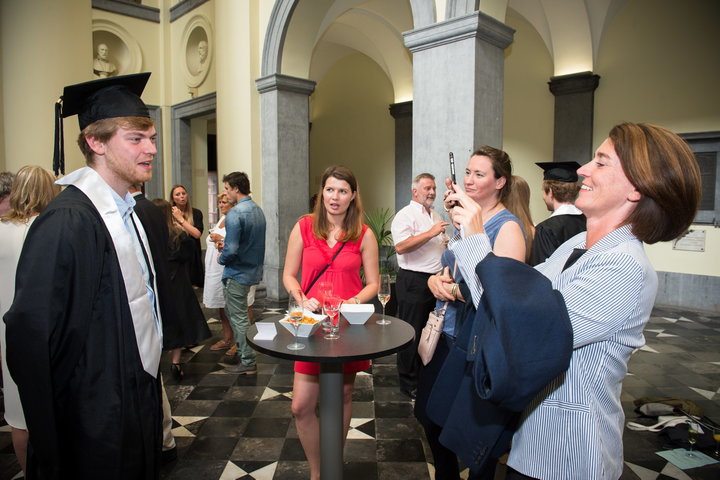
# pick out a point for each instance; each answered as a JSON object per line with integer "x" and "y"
{"x": 560, "y": 171}
{"x": 95, "y": 100}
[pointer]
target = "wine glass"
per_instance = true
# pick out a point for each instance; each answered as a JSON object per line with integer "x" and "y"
{"x": 295, "y": 315}
{"x": 692, "y": 438}
{"x": 331, "y": 306}
{"x": 325, "y": 289}
{"x": 384, "y": 297}
{"x": 716, "y": 437}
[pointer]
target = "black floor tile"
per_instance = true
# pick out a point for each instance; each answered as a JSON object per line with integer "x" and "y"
{"x": 243, "y": 423}
{"x": 267, "y": 427}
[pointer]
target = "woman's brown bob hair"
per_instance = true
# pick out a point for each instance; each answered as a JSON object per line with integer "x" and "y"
{"x": 353, "y": 222}
{"x": 661, "y": 166}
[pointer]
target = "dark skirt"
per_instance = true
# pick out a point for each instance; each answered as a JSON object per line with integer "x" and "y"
{"x": 188, "y": 327}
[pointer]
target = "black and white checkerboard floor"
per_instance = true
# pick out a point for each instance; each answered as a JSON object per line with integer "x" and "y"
{"x": 231, "y": 427}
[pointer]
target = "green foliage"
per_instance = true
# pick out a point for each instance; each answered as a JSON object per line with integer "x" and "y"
{"x": 379, "y": 221}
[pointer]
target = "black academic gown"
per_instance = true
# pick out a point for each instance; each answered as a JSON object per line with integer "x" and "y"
{"x": 189, "y": 326}
{"x": 197, "y": 265}
{"x": 552, "y": 233}
{"x": 92, "y": 411}
{"x": 155, "y": 224}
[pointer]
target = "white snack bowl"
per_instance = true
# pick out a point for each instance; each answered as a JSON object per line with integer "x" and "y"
{"x": 357, "y": 313}
{"x": 304, "y": 329}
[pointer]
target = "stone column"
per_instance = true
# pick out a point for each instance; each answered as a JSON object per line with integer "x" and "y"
{"x": 574, "y": 107}
{"x": 458, "y": 71}
{"x": 285, "y": 158}
{"x": 402, "y": 113}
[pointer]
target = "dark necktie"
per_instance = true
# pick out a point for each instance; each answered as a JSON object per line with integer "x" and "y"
{"x": 576, "y": 253}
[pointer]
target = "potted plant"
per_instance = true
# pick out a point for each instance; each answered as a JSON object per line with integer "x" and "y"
{"x": 379, "y": 221}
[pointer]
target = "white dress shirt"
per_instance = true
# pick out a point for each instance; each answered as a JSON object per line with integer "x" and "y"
{"x": 413, "y": 220}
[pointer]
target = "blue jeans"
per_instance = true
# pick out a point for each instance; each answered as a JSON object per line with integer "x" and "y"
{"x": 236, "y": 307}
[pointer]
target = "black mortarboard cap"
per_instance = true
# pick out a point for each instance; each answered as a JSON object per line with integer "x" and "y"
{"x": 560, "y": 171}
{"x": 95, "y": 100}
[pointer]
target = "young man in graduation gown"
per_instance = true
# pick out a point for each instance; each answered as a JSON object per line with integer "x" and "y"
{"x": 560, "y": 189}
{"x": 84, "y": 332}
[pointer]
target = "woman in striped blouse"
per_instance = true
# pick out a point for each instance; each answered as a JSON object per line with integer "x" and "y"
{"x": 643, "y": 185}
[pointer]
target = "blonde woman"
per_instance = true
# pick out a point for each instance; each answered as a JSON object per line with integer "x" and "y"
{"x": 31, "y": 191}
{"x": 213, "y": 296}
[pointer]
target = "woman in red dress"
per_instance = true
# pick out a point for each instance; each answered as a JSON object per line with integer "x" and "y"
{"x": 315, "y": 239}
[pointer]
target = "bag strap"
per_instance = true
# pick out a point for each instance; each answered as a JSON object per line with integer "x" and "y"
{"x": 342, "y": 244}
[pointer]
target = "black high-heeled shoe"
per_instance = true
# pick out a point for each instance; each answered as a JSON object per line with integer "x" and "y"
{"x": 176, "y": 371}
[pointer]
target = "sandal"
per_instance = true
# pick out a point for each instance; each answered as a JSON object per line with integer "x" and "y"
{"x": 222, "y": 345}
{"x": 232, "y": 351}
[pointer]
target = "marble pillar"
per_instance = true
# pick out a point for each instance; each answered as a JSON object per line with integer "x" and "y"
{"x": 574, "y": 108}
{"x": 402, "y": 113}
{"x": 285, "y": 159}
{"x": 458, "y": 72}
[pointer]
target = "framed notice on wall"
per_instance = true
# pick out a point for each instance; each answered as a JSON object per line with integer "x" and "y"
{"x": 692, "y": 241}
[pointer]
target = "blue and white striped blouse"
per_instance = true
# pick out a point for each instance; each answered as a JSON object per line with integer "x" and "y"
{"x": 573, "y": 428}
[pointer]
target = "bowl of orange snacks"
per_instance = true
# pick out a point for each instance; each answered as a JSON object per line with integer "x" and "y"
{"x": 307, "y": 326}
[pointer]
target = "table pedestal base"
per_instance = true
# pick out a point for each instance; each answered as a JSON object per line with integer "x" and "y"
{"x": 331, "y": 420}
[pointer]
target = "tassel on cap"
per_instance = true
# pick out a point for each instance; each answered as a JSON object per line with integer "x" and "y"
{"x": 59, "y": 153}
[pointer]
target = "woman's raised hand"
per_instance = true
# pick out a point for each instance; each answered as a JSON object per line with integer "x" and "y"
{"x": 466, "y": 213}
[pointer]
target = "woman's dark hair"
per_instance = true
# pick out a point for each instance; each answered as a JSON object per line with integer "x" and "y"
{"x": 502, "y": 167}
{"x": 174, "y": 230}
{"x": 661, "y": 166}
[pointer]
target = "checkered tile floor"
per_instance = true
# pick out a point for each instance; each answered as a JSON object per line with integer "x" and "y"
{"x": 231, "y": 427}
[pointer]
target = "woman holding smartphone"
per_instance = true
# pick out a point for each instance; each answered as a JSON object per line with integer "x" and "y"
{"x": 488, "y": 180}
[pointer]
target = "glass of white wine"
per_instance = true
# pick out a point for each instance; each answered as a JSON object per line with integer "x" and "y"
{"x": 716, "y": 437}
{"x": 692, "y": 438}
{"x": 384, "y": 297}
{"x": 295, "y": 315}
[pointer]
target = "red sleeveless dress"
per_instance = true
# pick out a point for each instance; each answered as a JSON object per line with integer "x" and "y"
{"x": 344, "y": 273}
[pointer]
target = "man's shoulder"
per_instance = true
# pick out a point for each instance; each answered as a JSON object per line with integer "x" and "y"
{"x": 246, "y": 206}
{"x": 562, "y": 220}
{"x": 404, "y": 213}
{"x": 72, "y": 197}
{"x": 147, "y": 209}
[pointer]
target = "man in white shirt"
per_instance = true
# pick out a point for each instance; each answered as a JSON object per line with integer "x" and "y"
{"x": 419, "y": 236}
